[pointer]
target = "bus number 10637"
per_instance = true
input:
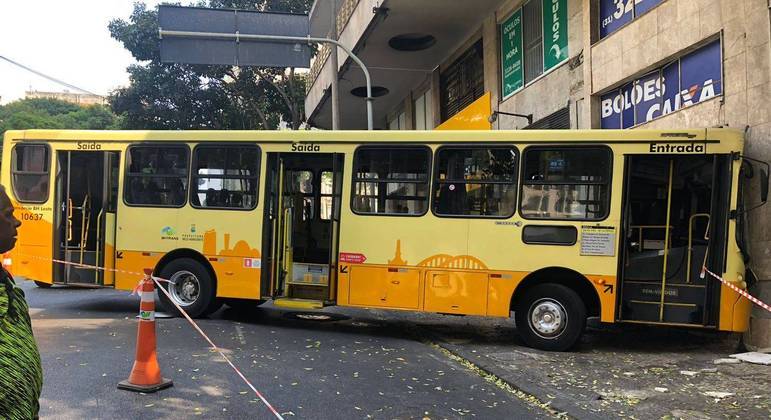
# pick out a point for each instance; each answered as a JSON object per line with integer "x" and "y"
{"x": 32, "y": 216}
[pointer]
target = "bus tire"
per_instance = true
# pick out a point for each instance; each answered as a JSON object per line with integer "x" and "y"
{"x": 191, "y": 287}
{"x": 43, "y": 285}
{"x": 550, "y": 317}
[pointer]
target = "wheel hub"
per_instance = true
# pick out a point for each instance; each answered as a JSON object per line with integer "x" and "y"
{"x": 548, "y": 318}
{"x": 184, "y": 288}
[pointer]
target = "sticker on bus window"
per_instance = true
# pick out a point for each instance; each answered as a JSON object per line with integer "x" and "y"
{"x": 252, "y": 263}
{"x": 598, "y": 240}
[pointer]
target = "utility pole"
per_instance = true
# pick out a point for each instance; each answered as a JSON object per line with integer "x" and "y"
{"x": 333, "y": 61}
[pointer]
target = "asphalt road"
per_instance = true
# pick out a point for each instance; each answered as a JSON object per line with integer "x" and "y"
{"x": 361, "y": 364}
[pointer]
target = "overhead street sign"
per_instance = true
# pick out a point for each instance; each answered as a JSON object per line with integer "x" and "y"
{"x": 234, "y": 51}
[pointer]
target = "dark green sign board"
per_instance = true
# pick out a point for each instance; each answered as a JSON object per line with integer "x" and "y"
{"x": 555, "y": 44}
{"x": 512, "y": 72}
{"x": 555, "y": 33}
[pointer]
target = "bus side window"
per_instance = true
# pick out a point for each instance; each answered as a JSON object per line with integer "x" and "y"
{"x": 30, "y": 172}
{"x": 156, "y": 176}
{"x": 391, "y": 180}
{"x": 475, "y": 181}
{"x": 225, "y": 177}
{"x": 571, "y": 183}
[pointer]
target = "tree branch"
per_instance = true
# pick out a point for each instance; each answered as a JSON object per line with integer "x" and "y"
{"x": 287, "y": 100}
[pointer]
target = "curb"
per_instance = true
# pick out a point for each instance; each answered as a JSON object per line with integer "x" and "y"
{"x": 561, "y": 403}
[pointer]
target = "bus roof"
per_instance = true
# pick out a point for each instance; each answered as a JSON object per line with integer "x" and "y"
{"x": 431, "y": 136}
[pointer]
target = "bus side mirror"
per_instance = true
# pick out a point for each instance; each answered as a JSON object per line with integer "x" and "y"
{"x": 764, "y": 185}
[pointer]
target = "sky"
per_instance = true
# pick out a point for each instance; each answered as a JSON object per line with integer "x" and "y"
{"x": 67, "y": 40}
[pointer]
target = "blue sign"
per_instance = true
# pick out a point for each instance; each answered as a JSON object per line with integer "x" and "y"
{"x": 642, "y": 6}
{"x": 693, "y": 78}
{"x": 616, "y": 13}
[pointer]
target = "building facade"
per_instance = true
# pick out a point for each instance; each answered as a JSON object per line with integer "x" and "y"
{"x": 565, "y": 64}
{"x": 82, "y": 99}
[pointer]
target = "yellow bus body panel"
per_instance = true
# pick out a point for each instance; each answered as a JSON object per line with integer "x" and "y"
{"x": 426, "y": 263}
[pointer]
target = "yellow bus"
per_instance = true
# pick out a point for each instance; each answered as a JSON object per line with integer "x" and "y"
{"x": 547, "y": 227}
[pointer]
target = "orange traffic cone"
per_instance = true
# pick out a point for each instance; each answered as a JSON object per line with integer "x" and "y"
{"x": 146, "y": 374}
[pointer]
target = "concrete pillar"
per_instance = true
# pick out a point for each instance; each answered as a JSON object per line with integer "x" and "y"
{"x": 409, "y": 112}
{"x": 758, "y": 146}
{"x": 436, "y": 97}
{"x": 589, "y": 106}
{"x": 490, "y": 46}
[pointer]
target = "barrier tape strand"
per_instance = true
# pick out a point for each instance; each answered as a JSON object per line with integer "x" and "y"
{"x": 214, "y": 346}
{"x": 742, "y": 292}
{"x": 157, "y": 281}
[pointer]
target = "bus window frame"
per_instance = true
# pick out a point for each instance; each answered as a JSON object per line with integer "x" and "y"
{"x": 126, "y": 172}
{"x": 47, "y": 173}
{"x": 392, "y": 146}
{"x": 194, "y": 159}
{"x": 608, "y": 182}
{"x": 515, "y": 182}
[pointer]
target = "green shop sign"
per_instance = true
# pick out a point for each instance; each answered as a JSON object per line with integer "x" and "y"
{"x": 555, "y": 43}
{"x": 555, "y": 33}
{"x": 512, "y": 72}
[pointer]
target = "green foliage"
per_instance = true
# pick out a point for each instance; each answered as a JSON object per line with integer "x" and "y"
{"x": 181, "y": 96}
{"x": 53, "y": 114}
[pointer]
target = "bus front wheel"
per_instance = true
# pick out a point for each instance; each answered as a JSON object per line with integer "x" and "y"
{"x": 190, "y": 286}
{"x": 550, "y": 317}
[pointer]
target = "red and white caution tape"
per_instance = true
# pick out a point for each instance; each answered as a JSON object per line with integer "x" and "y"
{"x": 214, "y": 346}
{"x": 158, "y": 281}
{"x": 742, "y": 292}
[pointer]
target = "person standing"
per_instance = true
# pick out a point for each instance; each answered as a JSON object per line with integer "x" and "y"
{"x": 21, "y": 376}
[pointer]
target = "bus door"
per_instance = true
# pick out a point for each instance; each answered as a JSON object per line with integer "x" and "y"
{"x": 86, "y": 191}
{"x": 302, "y": 217}
{"x": 675, "y": 222}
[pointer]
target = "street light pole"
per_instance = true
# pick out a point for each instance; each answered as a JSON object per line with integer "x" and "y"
{"x": 280, "y": 38}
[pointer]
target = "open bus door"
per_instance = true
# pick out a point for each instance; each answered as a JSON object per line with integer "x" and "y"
{"x": 335, "y": 188}
{"x": 86, "y": 191}
{"x": 302, "y": 221}
{"x": 675, "y": 222}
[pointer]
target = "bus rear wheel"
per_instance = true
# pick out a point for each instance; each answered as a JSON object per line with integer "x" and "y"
{"x": 190, "y": 286}
{"x": 550, "y": 317}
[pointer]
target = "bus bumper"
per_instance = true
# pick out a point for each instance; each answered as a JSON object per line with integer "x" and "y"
{"x": 735, "y": 311}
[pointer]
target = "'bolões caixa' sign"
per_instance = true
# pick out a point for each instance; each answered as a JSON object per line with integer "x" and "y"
{"x": 694, "y": 78}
